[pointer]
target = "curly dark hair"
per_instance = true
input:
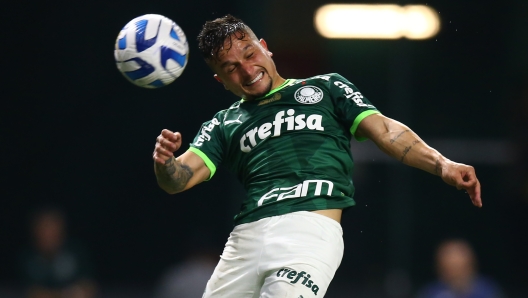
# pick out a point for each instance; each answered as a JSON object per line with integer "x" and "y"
{"x": 214, "y": 33}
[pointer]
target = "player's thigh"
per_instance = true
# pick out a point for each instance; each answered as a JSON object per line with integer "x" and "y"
{"x": 301, "y": 259}
{"x": 236, "y": 273}
{"x": 231, "y": 278}
{"x": 296, "y": 281}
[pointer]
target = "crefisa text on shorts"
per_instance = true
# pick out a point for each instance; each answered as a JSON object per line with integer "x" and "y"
{"x": 295, "y": 276}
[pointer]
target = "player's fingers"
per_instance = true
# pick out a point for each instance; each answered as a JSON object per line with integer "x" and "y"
{"x": 163, "y": 142}
{"x": 166, "y": 132}
{"x": 171, "y": 136}
{"x": 475, "y": 195}
{"x": 159, "y": 160}
{"x": 178, "y": 136}
{"x": 177, "y": 140}
{"x": 468, "y": 179}
{"x": 472, "y": 185}
{"x": 164, "y": 150}
{"x": 160, "y": 157}
{"x": 467, "y": 184}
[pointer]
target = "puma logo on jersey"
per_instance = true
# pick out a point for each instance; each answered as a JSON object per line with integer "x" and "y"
{"x": 226, "y": 122}
{"x": 293, "y": 122}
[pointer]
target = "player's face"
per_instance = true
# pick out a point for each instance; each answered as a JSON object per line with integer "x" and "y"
{"x": 246, "y": 68}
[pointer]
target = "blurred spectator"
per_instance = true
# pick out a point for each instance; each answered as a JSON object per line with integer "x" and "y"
{"x": 188, "y": 279}
{"x": 456, "y": 266}
{"x": 54, "y": 267}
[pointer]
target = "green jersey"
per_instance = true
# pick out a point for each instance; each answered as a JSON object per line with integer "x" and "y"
{"x": 291, "y": 148}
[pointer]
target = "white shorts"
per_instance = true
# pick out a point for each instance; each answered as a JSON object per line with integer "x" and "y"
{"x": 293, "y": 255}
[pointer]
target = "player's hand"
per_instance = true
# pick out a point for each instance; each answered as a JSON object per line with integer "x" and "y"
{"x": 166, "y": 143}
{"x": 463, "y": 176}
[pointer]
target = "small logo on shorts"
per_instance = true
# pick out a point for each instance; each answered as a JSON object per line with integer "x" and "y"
{"x": 292, "y": 274}
{"x": 308, "y": 95}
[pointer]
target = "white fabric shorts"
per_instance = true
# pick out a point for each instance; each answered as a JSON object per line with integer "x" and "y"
{"x": 293, "y": 255}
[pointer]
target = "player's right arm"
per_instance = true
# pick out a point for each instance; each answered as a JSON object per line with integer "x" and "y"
{"x": 176, "y": 174}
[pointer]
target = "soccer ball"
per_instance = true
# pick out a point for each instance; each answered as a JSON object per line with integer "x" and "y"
{"x": 151, "y": 51}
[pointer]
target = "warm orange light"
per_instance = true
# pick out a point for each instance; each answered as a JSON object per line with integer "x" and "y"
{"x": 376, "y": 21}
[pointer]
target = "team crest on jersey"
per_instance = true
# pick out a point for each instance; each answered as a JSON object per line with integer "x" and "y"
{"x": 308, "y": 95}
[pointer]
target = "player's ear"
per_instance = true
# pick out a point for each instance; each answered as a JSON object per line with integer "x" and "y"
{"x": 265, "y": 46}
{"x": 217, "y": 78}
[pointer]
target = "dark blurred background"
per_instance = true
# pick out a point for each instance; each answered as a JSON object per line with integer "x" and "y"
{"x": 76, "y": 135}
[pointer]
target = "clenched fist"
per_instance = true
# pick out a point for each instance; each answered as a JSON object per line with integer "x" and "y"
{"x": 166, "y": 143}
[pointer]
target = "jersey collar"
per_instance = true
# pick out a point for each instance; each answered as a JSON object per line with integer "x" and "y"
{"x": 285, "y": 84}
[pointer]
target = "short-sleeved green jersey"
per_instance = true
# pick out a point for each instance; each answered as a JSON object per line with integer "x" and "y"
{"x": 291, "y": 148}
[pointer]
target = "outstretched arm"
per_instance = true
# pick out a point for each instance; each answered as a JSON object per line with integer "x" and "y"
{"x": 399, "y": 141}
{"x": 176, "y": 174}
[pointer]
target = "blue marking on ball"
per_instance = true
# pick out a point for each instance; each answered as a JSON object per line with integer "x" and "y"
{"x": 142, "y": 43}
{"x": 168, "y": 53}
{"x": 122, "y": 43}
{"x": 173, "y": 33}
{"x": 144, "y": 70}
{"x": 157, "y": 84}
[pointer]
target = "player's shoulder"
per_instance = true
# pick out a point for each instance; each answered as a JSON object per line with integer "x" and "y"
{"x": 221, "y": 114}
{"x": 328, "y": 78}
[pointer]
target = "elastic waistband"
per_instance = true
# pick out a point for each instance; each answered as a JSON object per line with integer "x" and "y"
{"x": 316, "y": 216}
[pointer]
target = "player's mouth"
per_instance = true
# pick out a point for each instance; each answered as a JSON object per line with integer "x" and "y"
{"x": 256, "y": 79}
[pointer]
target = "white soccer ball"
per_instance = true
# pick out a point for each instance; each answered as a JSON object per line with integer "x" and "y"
{"x": 151, "y": 51}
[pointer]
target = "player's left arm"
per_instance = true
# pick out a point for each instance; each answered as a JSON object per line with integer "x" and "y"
{"x": 399, "y": 141}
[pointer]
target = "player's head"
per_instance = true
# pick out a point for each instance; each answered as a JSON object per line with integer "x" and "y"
{"x": 238, "y": 58}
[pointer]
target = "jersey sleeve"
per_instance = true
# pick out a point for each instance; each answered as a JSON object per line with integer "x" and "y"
{"x": 209, "y": 143}
{"x": 351, "y": 106}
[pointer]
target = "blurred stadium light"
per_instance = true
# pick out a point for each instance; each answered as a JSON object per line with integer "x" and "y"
{"x": 477, "y": 151}
{"x": 376, "y": 21}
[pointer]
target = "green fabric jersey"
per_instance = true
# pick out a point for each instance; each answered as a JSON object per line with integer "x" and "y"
{"x": 291, "y": 148}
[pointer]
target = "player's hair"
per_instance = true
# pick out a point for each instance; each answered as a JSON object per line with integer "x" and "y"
{"x": 214, "y": 33}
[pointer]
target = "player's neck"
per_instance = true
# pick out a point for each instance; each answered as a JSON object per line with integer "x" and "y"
{"x": 277, "y": 82}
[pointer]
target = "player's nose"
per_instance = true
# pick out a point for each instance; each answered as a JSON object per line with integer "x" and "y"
{"x": 245, "y": 69}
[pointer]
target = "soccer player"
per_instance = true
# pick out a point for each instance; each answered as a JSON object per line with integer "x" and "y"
{"x": 287, "y": 141}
